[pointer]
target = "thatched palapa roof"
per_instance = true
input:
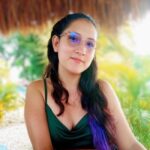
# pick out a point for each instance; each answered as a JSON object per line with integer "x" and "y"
{"x": 24, "y": 14}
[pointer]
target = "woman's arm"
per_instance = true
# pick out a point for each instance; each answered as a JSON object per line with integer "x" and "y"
{"x": 35, "y": 117}
{"x": 124, "y": 136}
{"x": 137, "y": 146}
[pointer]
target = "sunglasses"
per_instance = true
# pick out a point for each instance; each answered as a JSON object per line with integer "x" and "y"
{"x": 75, "y": 40}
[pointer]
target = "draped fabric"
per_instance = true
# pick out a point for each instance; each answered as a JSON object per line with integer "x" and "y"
{"x": 62, "y": 138}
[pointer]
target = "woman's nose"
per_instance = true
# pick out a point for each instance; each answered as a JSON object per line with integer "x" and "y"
{"x": 81, "y": 49}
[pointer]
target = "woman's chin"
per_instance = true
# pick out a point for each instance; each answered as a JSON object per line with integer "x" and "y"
{"x": 75, "y": 71}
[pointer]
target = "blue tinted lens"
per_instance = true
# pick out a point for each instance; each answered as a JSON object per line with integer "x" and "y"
{"x": 90, "y": 45}
{"x": 74, "y": 38}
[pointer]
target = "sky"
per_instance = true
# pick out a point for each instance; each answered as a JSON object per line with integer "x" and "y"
{"x": 140, "y": 42}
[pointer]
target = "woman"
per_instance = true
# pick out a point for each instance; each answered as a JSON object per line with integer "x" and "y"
{"x": 70, "y": 108}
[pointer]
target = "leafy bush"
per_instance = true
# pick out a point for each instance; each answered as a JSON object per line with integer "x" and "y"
{"x": 130, "y": 77}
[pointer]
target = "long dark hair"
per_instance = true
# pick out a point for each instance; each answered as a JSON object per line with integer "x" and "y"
{"x": 93, "y": 99}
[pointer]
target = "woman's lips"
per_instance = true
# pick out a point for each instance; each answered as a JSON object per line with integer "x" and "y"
{"x": 77, "y": 60}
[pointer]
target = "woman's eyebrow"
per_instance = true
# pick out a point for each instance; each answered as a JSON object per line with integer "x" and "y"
{"x": 92, "y": 39}
{"x": 81, "y": 36}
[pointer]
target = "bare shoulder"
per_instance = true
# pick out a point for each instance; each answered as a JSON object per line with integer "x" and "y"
{"x": 35, "y": 93}
{"x": 107, "y": 89}
{"x": 35, "y": 85}
{"x": 111, "y": 96}
{"x": 125, "y": 138}
{"x": 105, "y": 85}
{"x": 35, "y": 90}
{"x": 35, "y": 116}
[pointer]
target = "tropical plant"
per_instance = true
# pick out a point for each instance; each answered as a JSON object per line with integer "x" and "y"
{"x": 130, "y": 78}
{"x": 9, "y": 98}
{"x": 27, "y": 53}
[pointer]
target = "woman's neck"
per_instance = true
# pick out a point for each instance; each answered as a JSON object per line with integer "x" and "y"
{"x": 69, "y": 80}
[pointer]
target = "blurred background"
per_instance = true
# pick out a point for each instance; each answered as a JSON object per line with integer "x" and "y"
{"x": 123, "y": 57}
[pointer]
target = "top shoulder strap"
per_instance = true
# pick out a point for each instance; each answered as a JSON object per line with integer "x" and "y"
{"x": 45, "y": 90}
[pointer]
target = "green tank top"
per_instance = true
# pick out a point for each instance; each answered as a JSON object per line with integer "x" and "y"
{"x": 63, "y": 138}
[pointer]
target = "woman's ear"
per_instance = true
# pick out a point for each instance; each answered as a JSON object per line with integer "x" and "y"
{"x": 55, "y": 42}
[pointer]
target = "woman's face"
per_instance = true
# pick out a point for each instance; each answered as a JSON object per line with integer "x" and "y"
{"x": 76, "y": 46}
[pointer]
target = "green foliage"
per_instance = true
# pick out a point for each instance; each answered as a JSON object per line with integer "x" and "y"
{"x": 29, "y": 56}
{"x": 9, "y": 98}
{"x": 130, "y": 77}
{"x": 27, "y": 53}
{"x": 8, "y": 95}
{"x": 128, "y": 74}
